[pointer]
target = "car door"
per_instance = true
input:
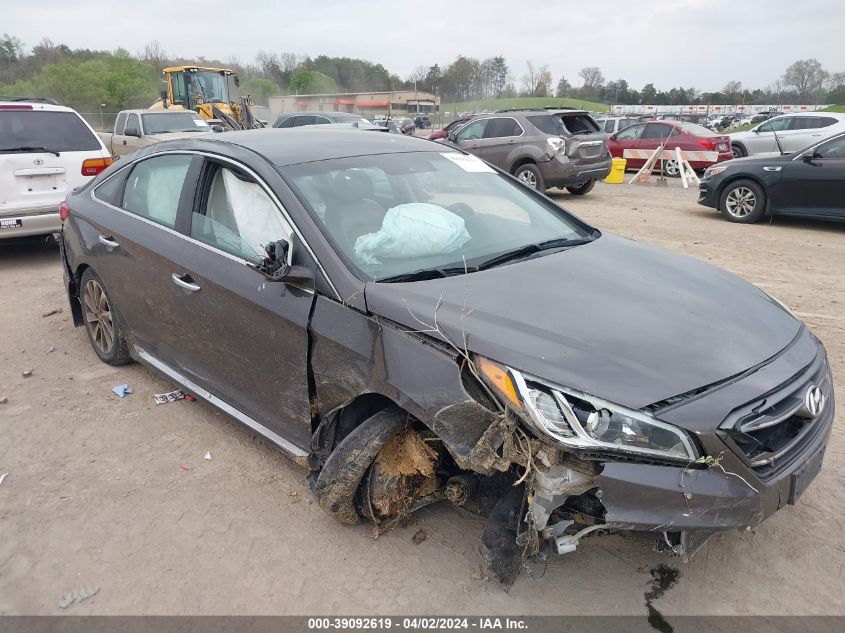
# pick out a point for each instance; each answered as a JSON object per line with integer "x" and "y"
{"x": 813, "y": 183}
{"x": 501, "y": 135}
{"x": 627, "y": 139}
{"x": 134, "y": 231}
{"x": 242, "y": 337}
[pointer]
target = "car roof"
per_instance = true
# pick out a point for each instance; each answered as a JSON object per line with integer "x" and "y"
{"x": 35, "y": 105}
{"x": 291, "y": 146}
{"x": 316, "y": 112}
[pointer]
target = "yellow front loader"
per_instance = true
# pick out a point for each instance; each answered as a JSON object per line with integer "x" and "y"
{"x": 208, "y": 92}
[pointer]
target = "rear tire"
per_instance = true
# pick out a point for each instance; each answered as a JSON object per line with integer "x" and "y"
{"x": 671, "y": 168}
{"x": 102, "y": 323}
{"x": 738, "y": 151}
{"x": 743, "y": 201}
{"x": 530, "y": 176}
{"x": 580, "y": 190}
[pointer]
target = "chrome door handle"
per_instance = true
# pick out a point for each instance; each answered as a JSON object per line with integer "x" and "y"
{"x": 108, "y": 242}
{"x": 179, "y": 280}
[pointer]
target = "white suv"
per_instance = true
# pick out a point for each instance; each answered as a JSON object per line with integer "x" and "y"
{"x": 46, "y": 151}
{"x": 794, "y": 131}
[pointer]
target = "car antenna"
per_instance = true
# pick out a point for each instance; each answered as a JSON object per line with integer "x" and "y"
{"x": 777, "y": 140}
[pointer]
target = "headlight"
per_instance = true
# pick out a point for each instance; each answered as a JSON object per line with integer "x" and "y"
{"x": 582, "y": 421}
{"x": 715, "y": 169}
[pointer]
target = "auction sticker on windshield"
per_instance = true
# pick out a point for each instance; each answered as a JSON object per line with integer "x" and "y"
{"x": 469, "y": 163}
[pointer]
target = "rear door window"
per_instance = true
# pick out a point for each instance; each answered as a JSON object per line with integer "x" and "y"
{"x": 155, "y": 186}
{"x": 658, "y": 131}
{"x": 502, "y": 127}
{"x": 55, "y": 131}
{"x": 303, "y": 120}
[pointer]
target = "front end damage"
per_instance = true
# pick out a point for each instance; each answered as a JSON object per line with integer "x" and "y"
{"x": 393, "y": 436}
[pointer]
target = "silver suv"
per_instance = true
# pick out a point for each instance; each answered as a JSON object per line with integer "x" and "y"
{"x": 543, "y": 148}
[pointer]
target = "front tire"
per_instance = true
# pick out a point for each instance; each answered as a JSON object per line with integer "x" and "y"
{"x": 101, "y": 321}
{"x": 529, "y": 175}
{"x": 743, "y": 201}
{"x": 671, "y": 168}
{"x": 580, "y": 190}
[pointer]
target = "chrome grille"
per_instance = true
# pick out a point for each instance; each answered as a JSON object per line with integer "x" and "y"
{"x": 772, "y": 431}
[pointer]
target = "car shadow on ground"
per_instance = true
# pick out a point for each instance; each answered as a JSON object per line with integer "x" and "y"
{"x": 28, "y": 250}
{"x": 827, "y": 226}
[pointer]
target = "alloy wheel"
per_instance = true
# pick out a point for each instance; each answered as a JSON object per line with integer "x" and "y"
{"x": 671, "y": 167}
{"x": 98, "y": 317}
{"x": 740, "y": 202}
{"x": 528, "y": 178}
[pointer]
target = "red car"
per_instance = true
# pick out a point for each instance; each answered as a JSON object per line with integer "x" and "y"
{"x": 454, "y": 125}
{"x": 649, "y": 135}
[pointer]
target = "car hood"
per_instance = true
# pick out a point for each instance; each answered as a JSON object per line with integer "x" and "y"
{"x": 620, "y": 320}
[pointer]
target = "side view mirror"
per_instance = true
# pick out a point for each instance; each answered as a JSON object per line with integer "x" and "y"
{"x": 756, "y": 130}
{"x": 810, "y": 159}
{"x": 132, "y": 131}
{"x": 163, "y": 95}
{"x": 452, "y": 137}
{"x": 275, "y": 266}
{"x": 216, "y": 128}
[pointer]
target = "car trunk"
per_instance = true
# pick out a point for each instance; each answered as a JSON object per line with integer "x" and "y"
{"x": 587, "y": 144}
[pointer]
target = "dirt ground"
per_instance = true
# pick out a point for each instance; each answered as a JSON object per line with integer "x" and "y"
{"x": 116, "y": 493}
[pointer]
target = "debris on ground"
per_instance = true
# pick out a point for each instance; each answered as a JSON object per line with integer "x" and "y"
{"x": 3, "y": 399}
{"x": 122, "y": 390}
{"x": 51, "y": 312}
{"x": 75, "y": 597}
{"x": 184, "y": 468}
{"x": 172, "y": 396}
{"x": 190, "y": 398}
{"x": 26, "y": 373}
{"x": 2, "y": 477}
{"x": 52, "y": 349}
{"x": 419, "y": 537}
{"x": 207, "y": 455}
{"x": 293, "y": 496}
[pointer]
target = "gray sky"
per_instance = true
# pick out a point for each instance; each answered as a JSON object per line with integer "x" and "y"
{"x": 700, "y": 43}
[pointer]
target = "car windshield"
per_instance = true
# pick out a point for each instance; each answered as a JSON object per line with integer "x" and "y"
{"x": 391, "y": 215}
{"x": 161, "y": 123}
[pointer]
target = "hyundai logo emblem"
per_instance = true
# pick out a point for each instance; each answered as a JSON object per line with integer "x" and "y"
{"x": 814, "y": 401}
{"x": 38, "y": 161}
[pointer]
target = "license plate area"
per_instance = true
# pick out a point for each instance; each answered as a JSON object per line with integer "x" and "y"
{"x": 13, "y": 223}
{"x": 800, "y": 480}
{"x": 42, "y": 183}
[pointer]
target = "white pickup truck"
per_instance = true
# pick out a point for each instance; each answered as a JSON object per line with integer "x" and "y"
{"x": 134, "y": 129}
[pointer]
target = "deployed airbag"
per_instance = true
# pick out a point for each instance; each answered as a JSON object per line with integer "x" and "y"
{"x": 415, "y": 229}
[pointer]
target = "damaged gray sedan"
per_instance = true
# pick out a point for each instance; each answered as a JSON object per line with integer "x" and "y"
{"x": 415, "y": 326}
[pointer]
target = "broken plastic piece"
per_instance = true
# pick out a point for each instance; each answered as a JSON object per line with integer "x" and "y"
{"x": 172, "y": 396}
{"x": 77, "y": 596}
{"x": 122, "y": 390}
{"x": 207, "y": 455}
{"x": 2, "y": 477}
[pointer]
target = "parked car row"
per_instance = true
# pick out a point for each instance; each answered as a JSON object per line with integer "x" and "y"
{"x": 788, "y": 133}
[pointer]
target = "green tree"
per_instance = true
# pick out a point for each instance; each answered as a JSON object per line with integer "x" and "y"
{"x": 306, "y": 82}
{"x": 260, "y": 89}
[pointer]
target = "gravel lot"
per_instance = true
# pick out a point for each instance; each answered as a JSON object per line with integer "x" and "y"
{"x": 115, "y": 493}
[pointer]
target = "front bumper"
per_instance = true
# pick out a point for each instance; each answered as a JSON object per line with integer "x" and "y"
{"x": 708, "y": 193}
{"x": 690, "y": 502}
